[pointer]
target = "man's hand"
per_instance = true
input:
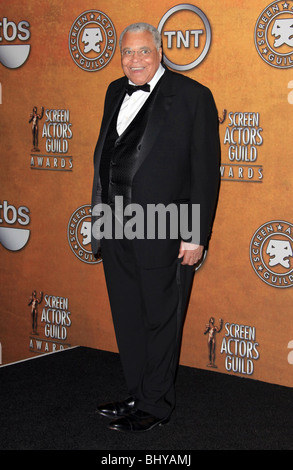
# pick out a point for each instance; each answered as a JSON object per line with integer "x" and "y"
{"x": 190, "y": 253}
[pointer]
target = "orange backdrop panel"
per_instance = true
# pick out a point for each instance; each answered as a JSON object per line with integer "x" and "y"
{"x": 245, "y": 281}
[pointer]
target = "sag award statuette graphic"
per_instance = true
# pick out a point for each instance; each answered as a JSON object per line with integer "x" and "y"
{"x": 92, "y": 40}
{"x": 34, "y": 303}
{"x": 35, "y": 117}
{"x": 212, "y": 330}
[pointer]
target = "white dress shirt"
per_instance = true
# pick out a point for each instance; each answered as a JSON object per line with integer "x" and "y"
{"x": 132, "y": 104}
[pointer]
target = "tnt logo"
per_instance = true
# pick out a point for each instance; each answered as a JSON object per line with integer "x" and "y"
{"x": 187, "y": 40}
{"x": 186, "y": 36}
{"x": 14, "y": 55}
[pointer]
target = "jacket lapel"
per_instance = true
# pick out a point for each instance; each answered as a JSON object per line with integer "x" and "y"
{"x": 116, "y": 100}
{"x": 157, "y": 117}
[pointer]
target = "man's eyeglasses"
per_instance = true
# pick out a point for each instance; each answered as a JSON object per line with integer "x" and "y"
{"x": 128, "y": 53}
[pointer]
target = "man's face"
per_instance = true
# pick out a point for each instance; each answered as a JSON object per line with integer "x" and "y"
{"x": 142, "y": 66}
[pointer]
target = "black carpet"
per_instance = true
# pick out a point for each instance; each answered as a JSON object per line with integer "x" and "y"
{"x": 48, "y": 403}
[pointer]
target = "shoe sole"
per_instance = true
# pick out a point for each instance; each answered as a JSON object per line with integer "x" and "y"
{"x": 112, "y": 416}
{"x": 161, "y": 423}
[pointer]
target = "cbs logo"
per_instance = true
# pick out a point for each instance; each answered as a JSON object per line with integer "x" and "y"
{"x": 14, "y": 239}
{"x": 13, "y": 56}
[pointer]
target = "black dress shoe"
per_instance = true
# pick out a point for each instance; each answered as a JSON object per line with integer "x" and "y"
{"x": 137, "y": 421}
{"x": 116, "y": 409}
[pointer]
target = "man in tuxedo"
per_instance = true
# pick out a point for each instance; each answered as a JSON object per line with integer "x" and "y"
{"x": 158, "y": 147}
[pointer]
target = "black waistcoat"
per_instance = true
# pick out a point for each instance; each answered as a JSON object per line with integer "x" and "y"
{"x": 120, "y": 155}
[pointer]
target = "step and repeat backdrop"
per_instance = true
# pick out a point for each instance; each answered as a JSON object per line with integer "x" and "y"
{"x": 57, "y": 58}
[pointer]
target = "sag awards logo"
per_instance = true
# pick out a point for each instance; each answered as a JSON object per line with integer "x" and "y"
{"x": 14, "y": 55}
{"x": 271, "y": 253}
{"x": 242, "y": 138}
{"x": 79, "y": 234}
{"x": 273, "y": 34}
{"x": 52, "y": 312}
{"x": 186, "y": 36}
{"x": 56, "y": 134}
{"x": 239, "y": 345}
{"x": 92, "y": 40}
{"x": 12, "y": 237}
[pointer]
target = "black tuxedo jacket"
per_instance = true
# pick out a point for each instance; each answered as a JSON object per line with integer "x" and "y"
{"x": 179, "y": 159}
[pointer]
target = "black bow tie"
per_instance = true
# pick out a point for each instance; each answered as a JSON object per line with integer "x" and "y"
{"x": 131, "y": 88}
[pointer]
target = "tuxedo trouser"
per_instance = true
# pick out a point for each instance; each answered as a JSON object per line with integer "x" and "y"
{"x": 148, "y": 310}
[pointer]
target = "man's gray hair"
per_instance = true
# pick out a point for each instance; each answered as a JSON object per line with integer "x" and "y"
{"x": 141, "y": 27}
